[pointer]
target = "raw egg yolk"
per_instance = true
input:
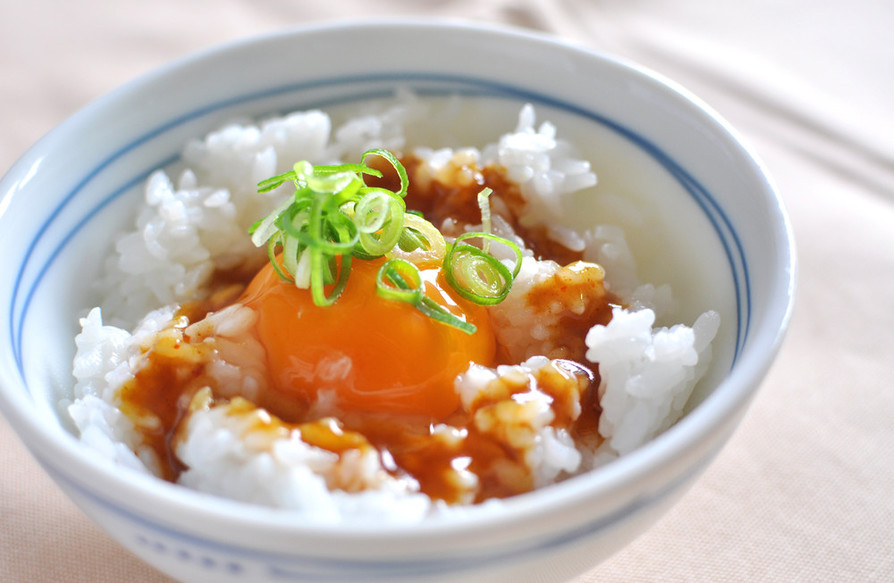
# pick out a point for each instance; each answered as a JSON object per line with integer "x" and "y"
{"x": 377, "y": 355}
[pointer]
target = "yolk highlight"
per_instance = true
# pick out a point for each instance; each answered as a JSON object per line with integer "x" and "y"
{"x": 377, "y": 355}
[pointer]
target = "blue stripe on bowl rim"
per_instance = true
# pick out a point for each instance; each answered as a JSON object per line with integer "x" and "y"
{"x": 157, "y": 537}
{"x": 416, "y": 82}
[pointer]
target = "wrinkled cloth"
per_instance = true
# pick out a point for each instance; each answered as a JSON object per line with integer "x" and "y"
{"x": 804, "y": 491}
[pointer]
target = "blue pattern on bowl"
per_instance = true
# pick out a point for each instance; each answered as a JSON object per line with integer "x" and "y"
{"x": 241, "y": 563}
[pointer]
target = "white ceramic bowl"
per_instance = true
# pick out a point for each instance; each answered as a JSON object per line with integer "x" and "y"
{"x": 57, "y": 205}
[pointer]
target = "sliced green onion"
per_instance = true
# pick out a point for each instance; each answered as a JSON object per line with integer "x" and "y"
{"x": 331, "y": 182}
{"x": 395, "y": 163}
{"x": 411, "y": 240}
{"x": 484, "y": 205}
{"x": 477, "y": 275}
{"x": 334, "y": 217}
{"x": 421, "y": 243}
{"x": 355, "y": 168}
{"x": 291, "y": 256}
{"x": 320, "y": 271}
{"x": 302, "y": 270}
{"x": 437, "y": 312}
{"x": 315, "y": 231}
{"x": 265, "y": 228}
{"x": 276, "y": 181}
{"x": 400, "y": 280}
{"x": 271, "y": 254}
{"x": 380, "y": 221}
{"x": 371, "y": 212}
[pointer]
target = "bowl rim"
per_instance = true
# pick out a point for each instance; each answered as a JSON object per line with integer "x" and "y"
{"x": 709, "y": 416}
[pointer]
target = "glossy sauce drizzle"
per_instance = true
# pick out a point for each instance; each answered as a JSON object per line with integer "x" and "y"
{"x": 462, "y": 458}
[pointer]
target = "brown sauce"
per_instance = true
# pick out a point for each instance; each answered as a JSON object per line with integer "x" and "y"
{"x": 592, "y": 304}
{"x": 159, "y": 395}
{"x": 438, "y": 201}
{"x": 437, "y": 461}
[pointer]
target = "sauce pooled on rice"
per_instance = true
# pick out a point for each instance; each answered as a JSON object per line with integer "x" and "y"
{"x": 370, "y": 375}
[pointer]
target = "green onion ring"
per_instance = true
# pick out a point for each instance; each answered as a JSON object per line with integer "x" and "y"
{"x": 374, "y": 208}
{"x": 421, "y": 242}
{"x": 400, "y": 281}
{"x": 291, "y": 253}
{"x": 319, "y": 270}
{"x": 477, "y": 275}
{"x": 271, "y": 254}
{"x": 395, "y": 163}
{"x": 404, "y": 284}
{"x": 384, "y": 238}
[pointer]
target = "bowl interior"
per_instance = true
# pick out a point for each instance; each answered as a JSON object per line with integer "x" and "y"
{"x": 698, "y": 210}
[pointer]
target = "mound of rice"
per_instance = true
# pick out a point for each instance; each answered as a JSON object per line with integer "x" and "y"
{"x": 194, "y": 221}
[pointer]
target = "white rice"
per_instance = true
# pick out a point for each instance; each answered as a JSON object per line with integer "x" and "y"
{"x": 548, "y": 451}
{"x": 225, "y": 458}
{"x": 647, "y": 374}
{"x": 196, "y": 222}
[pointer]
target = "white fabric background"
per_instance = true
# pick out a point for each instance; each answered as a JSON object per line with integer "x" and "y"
{"x": 805, "y": 489}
